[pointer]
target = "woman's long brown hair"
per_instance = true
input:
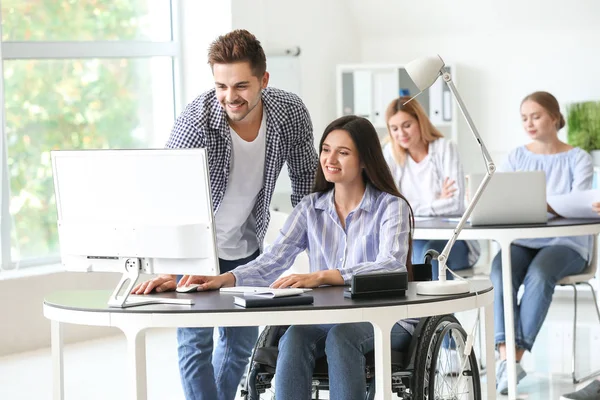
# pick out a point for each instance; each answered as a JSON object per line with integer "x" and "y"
{"x": 376, "y": 171}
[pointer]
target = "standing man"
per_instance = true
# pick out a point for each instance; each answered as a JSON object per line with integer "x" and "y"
{"x": 249, "y": 131}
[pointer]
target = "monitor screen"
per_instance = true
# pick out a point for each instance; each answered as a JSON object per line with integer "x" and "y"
{"x": 151, "y": 204}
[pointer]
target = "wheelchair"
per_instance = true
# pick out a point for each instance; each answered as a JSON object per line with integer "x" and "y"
{"x": 427, "y": 370}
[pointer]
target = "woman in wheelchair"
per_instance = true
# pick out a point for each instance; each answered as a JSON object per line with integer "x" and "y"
{"x": 355, "y": 221}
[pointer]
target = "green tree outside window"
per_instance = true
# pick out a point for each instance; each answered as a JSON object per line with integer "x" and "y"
{"x": 67, "y": 104}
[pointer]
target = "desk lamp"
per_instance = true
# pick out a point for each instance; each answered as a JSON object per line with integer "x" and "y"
{"x": 424, "y": 72}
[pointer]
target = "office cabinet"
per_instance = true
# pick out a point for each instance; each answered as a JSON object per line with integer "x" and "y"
{"x": 367, "y": 89}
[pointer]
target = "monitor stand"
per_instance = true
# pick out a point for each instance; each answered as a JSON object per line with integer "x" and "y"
{"x": 133, "y": 267}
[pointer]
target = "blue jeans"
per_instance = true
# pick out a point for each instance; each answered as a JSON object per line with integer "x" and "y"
{"x": 538, "y": 270}
{"x": 345, "y": 346}
{"x": 215, "y": 376}
{"x": 457, "y": 259}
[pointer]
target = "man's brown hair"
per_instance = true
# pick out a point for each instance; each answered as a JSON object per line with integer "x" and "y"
{"x": 238, "y": 46}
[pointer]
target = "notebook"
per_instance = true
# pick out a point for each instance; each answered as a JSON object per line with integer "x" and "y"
{"x": 509, "y": 198}
{"x": 253, "y": 300}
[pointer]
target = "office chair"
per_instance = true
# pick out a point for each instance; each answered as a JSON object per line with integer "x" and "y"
{"x": 582, "y": 279}
{"x": 414, "y": 377}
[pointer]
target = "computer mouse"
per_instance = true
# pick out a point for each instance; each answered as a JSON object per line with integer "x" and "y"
{"x": 188, "y": 289}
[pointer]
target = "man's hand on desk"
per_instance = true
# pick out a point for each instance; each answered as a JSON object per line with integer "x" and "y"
{"x": 166, "y": 283}
{"x": 596, "y": 207}
{"x": 209, "y": 282}
{"x": 162, "y": 283}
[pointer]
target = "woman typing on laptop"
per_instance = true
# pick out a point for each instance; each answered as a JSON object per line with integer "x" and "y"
{"x": 539, "y": 263}
{"x": 354, "y": 222}
{"x": 427, "y": 170}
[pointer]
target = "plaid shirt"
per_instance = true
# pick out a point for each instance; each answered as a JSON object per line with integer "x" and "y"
{"x": 289, "y": 139}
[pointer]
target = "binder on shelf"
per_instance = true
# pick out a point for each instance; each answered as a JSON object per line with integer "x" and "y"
{"x": 436, "y": 103}
{"x": 250, "y": 301}
{"x": 447, "y": 106}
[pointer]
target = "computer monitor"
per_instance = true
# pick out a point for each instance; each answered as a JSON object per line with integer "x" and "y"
{"x": 134, "y": 211}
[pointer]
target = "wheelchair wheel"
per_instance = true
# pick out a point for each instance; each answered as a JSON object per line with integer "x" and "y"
{"x": 258, "y": 381}
{"x": 441, "y": 373}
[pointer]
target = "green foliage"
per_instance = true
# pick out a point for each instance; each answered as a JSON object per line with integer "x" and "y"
{"x": 65, "y": 104}
{"x": 76, "y": 20}
{"x": 583, "y": 125}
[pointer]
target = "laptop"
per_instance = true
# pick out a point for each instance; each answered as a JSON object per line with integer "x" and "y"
{"x": 510, "y": 198}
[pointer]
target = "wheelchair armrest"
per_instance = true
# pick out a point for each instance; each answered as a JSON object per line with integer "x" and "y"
{"x": 266, "y": 356}
{"x": 270, "y": 336}
{"x": 421, "y": 272}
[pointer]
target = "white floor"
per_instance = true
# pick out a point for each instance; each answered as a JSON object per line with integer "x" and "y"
{"x": 96, "y": 369}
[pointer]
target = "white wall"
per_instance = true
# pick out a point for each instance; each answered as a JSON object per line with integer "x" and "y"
{"x": 23, "y": 326}
{"x": 326, "y": 34}
{"x": 503, "y": 51}
{"x": 201, "y": 23}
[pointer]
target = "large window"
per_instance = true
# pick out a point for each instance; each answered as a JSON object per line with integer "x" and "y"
{"x": 77, "y": 74}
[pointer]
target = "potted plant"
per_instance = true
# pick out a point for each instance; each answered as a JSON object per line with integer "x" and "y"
{"x": 583, "y": 127}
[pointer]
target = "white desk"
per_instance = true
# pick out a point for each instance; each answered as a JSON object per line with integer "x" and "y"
{"x": 212, "y": 309}
{"x": 439, "y": 228}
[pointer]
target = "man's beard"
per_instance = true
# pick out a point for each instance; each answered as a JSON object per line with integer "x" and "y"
{"x": 239, "y": 117}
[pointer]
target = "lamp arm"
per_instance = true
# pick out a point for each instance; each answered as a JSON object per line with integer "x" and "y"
{"x": 490, "y": 166}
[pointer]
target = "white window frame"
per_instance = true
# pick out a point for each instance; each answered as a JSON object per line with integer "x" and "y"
{"x": 21, "y": 50}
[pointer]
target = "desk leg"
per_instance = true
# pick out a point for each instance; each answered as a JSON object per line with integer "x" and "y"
{"x": 488, "y": 313}
{"x": 56, "y": 334}
{"x": 382, "y": 328}
{"x": 136, "y": 363}
{"x": 509, "y": 320}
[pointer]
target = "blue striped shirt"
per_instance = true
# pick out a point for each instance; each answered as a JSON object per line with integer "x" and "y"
{"x": 375, "y": 240}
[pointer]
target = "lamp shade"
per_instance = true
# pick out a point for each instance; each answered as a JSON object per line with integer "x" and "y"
{"x": 424, "y": 71}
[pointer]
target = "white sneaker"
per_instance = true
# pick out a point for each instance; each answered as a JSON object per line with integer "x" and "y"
{"x": 502, "y": 376}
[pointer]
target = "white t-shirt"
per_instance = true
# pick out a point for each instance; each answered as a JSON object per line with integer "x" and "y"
{"x": 421, "y": 183}
{"x": 444, "y": 162}
{"x": 418, "y": 181}
{"x": 235, "y": 224}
